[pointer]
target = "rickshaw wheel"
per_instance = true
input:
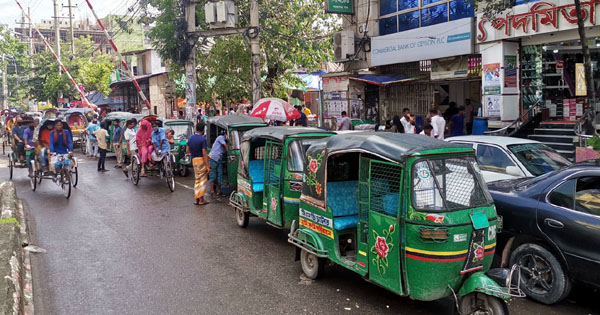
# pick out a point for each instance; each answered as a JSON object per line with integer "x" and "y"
{"x": 241, "y": 217}
{"x": 311, "y": 264}
{"x": 10, "y": 165}
{"x": 481, "y": 304}
{"x": 135, "y": 171}
{"x": 33, "y": 176}
{"x": 65, "y": 183}
{"x": 170, "y": 177}
{"x": 75, "y": 176}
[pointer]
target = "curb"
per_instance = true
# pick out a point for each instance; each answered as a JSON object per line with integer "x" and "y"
{"x": 16, "y": 282}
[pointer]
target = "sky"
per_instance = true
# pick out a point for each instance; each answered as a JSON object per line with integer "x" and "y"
{"x": 44, "y": 9}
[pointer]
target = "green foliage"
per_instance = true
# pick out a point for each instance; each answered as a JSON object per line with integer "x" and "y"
{"x": 293, "y": 35}
{"x": 88, "y": 67}
{"x": 594, "y": 142}
{"x": 16, "y": 63}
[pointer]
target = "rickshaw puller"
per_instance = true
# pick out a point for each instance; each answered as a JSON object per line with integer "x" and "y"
{"x": 160, "y": 141}
{"x": 61, "y": 143}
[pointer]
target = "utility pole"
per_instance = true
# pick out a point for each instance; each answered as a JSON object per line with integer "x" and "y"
{"x": 255, "y": 50}
{"x": 190, "y": 64}
{"x": 56, "y": 32}
{"x": 30, "y": 40}
{"x": 4, "y": 86}
{"x": 71, "y": 28}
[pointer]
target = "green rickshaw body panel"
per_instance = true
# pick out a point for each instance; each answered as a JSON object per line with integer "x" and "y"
{"x": 418, "y": 253}
{"x": 432, "y": 264}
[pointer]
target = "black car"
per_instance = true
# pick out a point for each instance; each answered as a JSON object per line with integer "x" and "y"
{"x": 551, "y": 229}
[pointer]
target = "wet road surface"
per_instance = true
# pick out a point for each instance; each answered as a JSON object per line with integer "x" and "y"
{"x": 114, "y": 248}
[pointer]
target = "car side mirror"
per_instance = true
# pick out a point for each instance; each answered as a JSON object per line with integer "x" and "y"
{"x": 514, "y": 171}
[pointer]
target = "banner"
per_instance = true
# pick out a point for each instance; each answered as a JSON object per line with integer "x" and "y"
{"x": 491, "y": 106}
{"x": 491, "y": 79}
{"x": 580, "y": 85}
{"x": 510, "y": 71}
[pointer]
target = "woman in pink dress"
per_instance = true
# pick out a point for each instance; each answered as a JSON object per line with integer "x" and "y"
{"x": 143, "y": 139}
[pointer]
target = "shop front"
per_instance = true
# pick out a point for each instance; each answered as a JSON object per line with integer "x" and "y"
{"x": 532, "y": 54}
{"x": 438, "y": 62}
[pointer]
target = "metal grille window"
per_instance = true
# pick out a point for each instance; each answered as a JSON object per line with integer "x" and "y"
{"x": 259, "y": 153}
{"x": 448, "y": 184}
{"x": 385, "y": 179}
{"x": 402, "y": 15}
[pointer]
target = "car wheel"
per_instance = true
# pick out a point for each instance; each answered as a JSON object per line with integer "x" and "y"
{"x": 542, "y": 276}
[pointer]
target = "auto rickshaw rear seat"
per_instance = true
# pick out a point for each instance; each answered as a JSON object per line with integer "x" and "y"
{"x": 342, "y": 199}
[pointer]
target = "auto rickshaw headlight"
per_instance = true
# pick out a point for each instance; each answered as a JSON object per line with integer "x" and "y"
{"x": 500, "y": 275}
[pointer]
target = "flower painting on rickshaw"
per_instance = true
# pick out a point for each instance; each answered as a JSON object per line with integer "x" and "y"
{"x": 383, "y": 246}
{"x": 314, "y": 163}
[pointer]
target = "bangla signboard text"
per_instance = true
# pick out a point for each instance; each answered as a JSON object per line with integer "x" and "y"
{"x": 340, "y": 6}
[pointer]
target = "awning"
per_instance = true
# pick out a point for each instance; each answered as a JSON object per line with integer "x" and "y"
{"x": 383, "y": 79}
{"x": 138, "y": 78}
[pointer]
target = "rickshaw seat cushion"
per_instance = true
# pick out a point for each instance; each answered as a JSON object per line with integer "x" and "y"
{"x": 342, "y": 199}
{"x": 256, "y": 169}
{"x": 345, "y": 222}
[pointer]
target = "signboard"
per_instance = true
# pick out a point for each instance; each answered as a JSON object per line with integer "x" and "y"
{"x": 334, "y": 104}
{"x": 449, "y": 68}
{"x": 580, "y": 86}
{"x": 491, "y": 79}
{"x": 492, "y": 106}
{"x": 510, "y": 71}
{"x": 340, "y": 6}
{"x": 535, "y": 18}
{"x": 454, "y": 38}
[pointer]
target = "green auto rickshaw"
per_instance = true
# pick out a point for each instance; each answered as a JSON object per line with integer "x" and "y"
{"x": 108, "y": 124}
{"x": 182, "y": 130}
{"x": 235, "y": 126}
{"x": 407, "y": 212}
{"x": 270, "y": 173}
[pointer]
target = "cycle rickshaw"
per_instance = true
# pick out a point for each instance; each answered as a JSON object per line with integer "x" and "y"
{"x": 68, "y": 175}
{"x": 77, "y": 121}
{"x": 14, "y": 160}
{"x": 162, "y": 168}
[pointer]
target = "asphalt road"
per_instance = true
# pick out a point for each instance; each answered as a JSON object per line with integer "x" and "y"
{"x": 114, "y": 248}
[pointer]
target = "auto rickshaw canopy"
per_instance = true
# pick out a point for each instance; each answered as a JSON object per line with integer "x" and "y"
{"x": 280, "y": 133}
{"x": 235, "y": 120}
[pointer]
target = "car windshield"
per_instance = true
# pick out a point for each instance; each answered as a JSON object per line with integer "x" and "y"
{"x": 538, "y": 158}
{"x": 296, "y": 151}
{"x": 182, "y": 131}
{"x": 448, "y": 184}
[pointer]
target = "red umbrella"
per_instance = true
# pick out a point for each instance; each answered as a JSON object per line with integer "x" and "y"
{"x": 274, "y": 109}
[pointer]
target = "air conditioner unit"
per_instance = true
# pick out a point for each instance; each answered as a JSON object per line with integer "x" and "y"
{"x": 343, "y": 45}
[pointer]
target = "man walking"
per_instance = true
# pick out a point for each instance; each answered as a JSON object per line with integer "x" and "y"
{"x": 217, "y": 152}
{"x": 117, "y": 138}
{"x": 101, "y": 134}
{"x": 345, "y": 122}
{"x": 130, "y": 143}
{"x": 92, "y": 142}
{"x": 438, "y": 123}
{"x": 196, "y": 147}
{"x": 457, "y": 123}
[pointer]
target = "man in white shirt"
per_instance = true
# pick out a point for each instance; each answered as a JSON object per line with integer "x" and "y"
{"x": 406, "y": 121}
{"x": 438, "y": 123}
{"x": 345, "y": 122}
{"x": 131, "y": 143}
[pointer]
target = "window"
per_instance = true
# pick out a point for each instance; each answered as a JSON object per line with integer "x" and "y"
{"x": 538, "y": 158}
{"x": 448, "y": 184}
{"x": 403, "y": 15}
{"x": 587, "y": 195}
{"x": 562, "y": 195}
{"x": 296, "y": 151}
{"x": 492, "y": 159}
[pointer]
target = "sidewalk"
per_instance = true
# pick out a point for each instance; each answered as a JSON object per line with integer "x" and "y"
{"x": 16, "y": 295}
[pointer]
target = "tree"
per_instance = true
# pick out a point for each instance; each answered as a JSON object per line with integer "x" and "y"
{"x": 16, "y": 63}
{"x": 294, "y": 35}
{"x": 88, "y": 68}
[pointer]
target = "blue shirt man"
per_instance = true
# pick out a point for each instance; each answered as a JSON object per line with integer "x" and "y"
{"x": 90, "y": 129}
{"x": 61, "y": 141}
{"x": 117, "y": 132}
{"x": 159, "y": 138}
{"x": 218, "y": 148}
{"x": 458, "y": 123}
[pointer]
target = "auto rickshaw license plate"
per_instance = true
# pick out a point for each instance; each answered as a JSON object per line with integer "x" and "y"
{"x": 479, "y": 220}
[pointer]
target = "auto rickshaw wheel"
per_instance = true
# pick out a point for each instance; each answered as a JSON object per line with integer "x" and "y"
{"x": 241, "y": 217}
{"x": 477, "y": 303}
{"x": 183, "y": 171}
{"x": 311, "y": 264}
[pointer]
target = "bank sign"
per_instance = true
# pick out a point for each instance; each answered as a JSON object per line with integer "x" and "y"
{"x": 340, "y": 6}
{"x": 425, "y": 43}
